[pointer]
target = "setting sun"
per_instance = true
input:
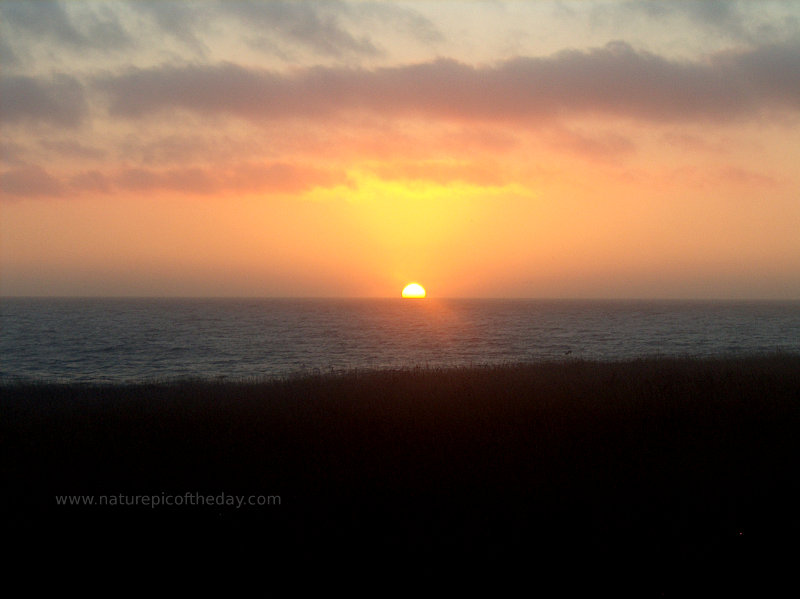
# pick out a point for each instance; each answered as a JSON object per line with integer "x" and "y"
{"x": 413, "y": 290}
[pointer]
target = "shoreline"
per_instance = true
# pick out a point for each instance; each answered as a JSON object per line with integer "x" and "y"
{"x": 13, "y": 382}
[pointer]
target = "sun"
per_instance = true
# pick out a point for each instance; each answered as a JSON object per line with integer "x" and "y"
{"x": 413, "y": 290}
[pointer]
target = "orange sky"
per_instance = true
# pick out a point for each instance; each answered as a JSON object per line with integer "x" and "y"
{"x": 591, "y": 149}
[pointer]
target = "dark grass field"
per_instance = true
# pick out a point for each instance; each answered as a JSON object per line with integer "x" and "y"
{"x": 662, "y": 470}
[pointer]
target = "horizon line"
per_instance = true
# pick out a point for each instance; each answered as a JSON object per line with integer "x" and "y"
{"x": 397, "y": 297}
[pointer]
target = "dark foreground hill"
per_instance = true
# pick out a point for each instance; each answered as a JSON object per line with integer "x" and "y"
{"x": 666, "y": 468}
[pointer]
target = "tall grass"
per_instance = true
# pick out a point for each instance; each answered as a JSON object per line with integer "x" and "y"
{"x": 656, "y": 463}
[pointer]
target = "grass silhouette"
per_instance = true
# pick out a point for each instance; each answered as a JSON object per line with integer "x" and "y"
{"x": 662, "y": 466}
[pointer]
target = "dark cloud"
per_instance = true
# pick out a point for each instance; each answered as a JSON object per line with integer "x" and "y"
{"x": 58, "y": 100}
{"x": 720, "y": 13}
{"x": 205, "y": 89}
{"x": 276, "y": 177}
{"x": 104, "y": 31}
{"x": 740, "y": 20}
{"x": 401, "y": 18}
{"x": 49, "y": 20}
{"x": 707, "y": 11}
{"x": 772, "y": 71}
{"x": 614, "y": 80}
{"x": 721, "y": 16}
{"x": 181, "y": 20}
{"x": 8, "y": 58}
{"x": 13, "y": 154}
{"x": 331, "y": 29}
{"x": 317, "y": 26}
{"x": 42, "y": 19}
{"x": 29, "y": 181}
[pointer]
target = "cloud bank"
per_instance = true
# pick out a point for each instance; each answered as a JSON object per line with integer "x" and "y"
{"x": 615, "y": 80}
{"x": 58, "y": 100}
{"x": 31, "y": 181}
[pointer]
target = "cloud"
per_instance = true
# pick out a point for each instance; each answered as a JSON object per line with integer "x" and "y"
{"x": 92, "y": 181}
{"x": 12, "y": 153}
{"x": 58, "y": 100}
{"x": 330, "y": 29}
{"x": 722, "y": 14}
{"x": 73, "y": 149}
{"x": 746, "y": 177}
{"x": 614, "y": 80}
{"x": 185, "y": 180}
{"x": 49, "y": 20}
{"x": 29, "y": 181}
{"x": 316, "y": 26}
{"x": 741, "y": 21}
{"x": 596, "y": 146}
{"x": 719, "y": 14}
{"x": 8, "y": 58}
{"x": 181, "y": 20}
{"x": 275, "y": 177}
{"x": 726, "y": 176}
{"x": 185, "y": 148}
{"x": 404, "y": 19}
{"x": 692, "y": 142}
{"x": 770, "y": 70}
{"x": 44, "y": 19}
{"x": 443, "y": 172}
{"x": 281, "y": 177}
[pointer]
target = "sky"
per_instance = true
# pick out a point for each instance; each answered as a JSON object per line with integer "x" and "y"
{"x": 544, "y": 149}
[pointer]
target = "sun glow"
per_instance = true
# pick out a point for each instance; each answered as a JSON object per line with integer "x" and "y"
{"x": 413, "y": 290}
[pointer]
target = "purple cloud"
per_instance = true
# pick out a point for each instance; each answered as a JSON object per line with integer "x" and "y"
{"x": 615, "y": 80}
{"x": 59, "y": 100}
{"x": 29, "y": 181}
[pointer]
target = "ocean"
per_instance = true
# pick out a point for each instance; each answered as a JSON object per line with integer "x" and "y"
{"x": 142, "y": 340}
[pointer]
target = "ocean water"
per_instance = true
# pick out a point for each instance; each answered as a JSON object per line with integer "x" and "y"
{"x": 127, "y": 340}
